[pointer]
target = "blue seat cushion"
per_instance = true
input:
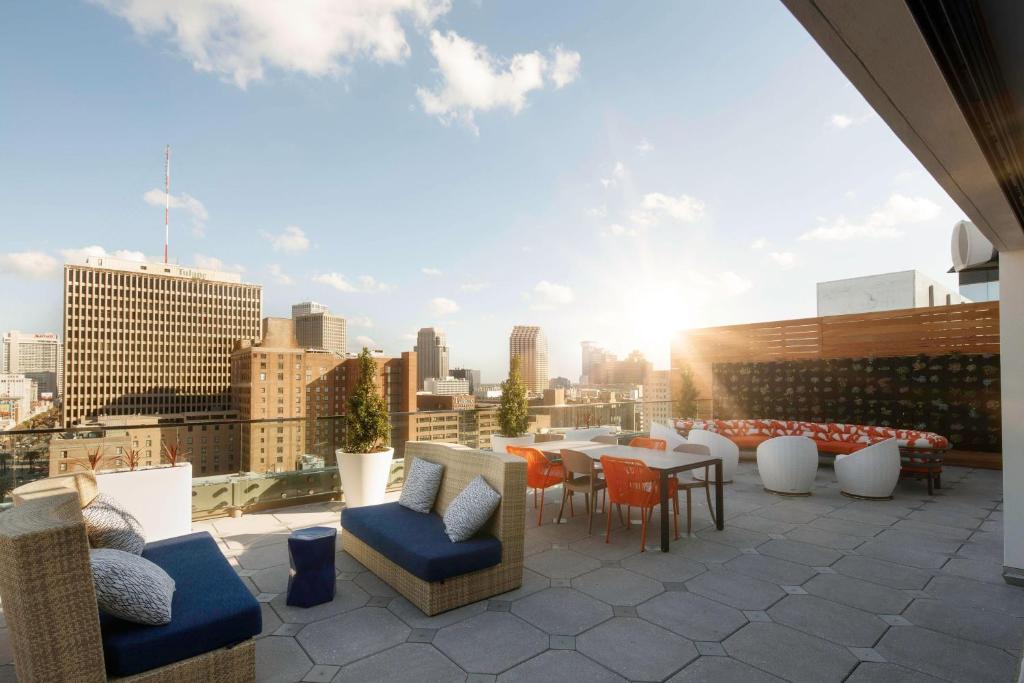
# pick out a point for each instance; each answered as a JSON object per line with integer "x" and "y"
{"x": 211, "y": 609}
{"x": 417, "y": 542}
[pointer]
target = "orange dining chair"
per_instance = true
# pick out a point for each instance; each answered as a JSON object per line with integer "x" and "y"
{"x": 647, "y": 442}
{"x": 633, "y": 484}
{"x": 541, "y": 473}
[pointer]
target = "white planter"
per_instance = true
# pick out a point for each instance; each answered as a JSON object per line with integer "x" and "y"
{"x": 364, "y": 476}
{"x": 499, "y": 442}
{"x": 159, "y": 497}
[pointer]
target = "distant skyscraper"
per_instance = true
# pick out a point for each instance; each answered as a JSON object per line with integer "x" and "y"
{"x": 448, "y": 386}
{"x": 472, "y": 375}
{"x": 151, "y": 338}
{"x": 37, "y": 356}
{"x": 531, "y": 346}
{"x": 594, "y": 361}
{"x": 431, "y": 355}
{"x": 316, "y": 328}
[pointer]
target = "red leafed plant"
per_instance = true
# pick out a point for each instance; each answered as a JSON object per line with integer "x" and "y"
{"x": 94, "y": 457}
{"x": 174, "y": 452}
{"x": 131, "y": 458}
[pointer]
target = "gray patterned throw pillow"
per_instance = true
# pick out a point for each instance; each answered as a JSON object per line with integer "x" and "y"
{"x": 130, "y": 587}
{"x": 421, "y": 484}
{"x": 470, "y": 510}
{"x": 111, "y": 526}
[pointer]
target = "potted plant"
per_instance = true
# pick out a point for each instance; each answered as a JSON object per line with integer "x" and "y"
{"x": 365, "y": 461}
{"x": 513, "y": 412}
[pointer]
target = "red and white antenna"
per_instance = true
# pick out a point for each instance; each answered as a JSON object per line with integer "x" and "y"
{"x": 167, "y": 199}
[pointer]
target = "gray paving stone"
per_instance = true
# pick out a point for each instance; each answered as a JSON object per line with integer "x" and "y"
{"x": 830, "y": 620}
{"x": 978, "y": 570}
{"x": 868, "y": 672}
{"x": 939, "y": 530}
{"x": 803, "y": 553}
{"x": 783, "y": 513}
{"x": 753, "y": 522}
{"x": 636, "y": 649}
{"x": 983, "y": 546}
{"x": 770, "y": 647}
{"x": 7, "y": 674}
{"x": 280, "y": 660}
{"x": 722, "y": 670}
{"x": 826, "y": 539}
{"x": 263, "y": 557}
{"x": 864, "y": 516}
{"x": 411, "y": 615}
{"x": 863, "y": 595}
{"x": 561, "y": 564}
{"x": 559, "y": 666}
{"x": 692, "y": 616}
{"x": 494, "y": 605}
{"x": 374, "y": 586}
{"x": 532, "y": 582}
{"x": 920, "y": 541}
{"x": 617, "y": 586}
{"x": 941, "y": 655}
{"x": 771, "y": 569}
{"x": 665, "y": 567}
{"x": 711, "y": 648}
{"x": 562, "y": 642}
{"x": 288, "y": 629}
{"x": 347, "y": 637}
{"x": 981, "y": 626}
{"x": 867, "y": 654}
{"x": 699, "y": 550}
{"x": 894, "y": 619}
{"x": 619, "y": 548}
{"x": 562, "y": 611}
{"x": 756, "y": 615}
{"x": 882, "y": 572}
{"x": 271, "y": 580}
{"x": 902, "y": 554}
{"x": 624, "y": 610}
{"x": 271, "y": 623}
{"x": 406, "y": 663}
{"x": 321, "y": 673}
{"x": 794, "y": 590}
{"x": 846, "y": 527}
{"x": 347, "y": 596}
{"x": 967, "y": 593}
{"x": 490, "y": 642}
{"x": 735, "y": 537}
{"x": 945, "y": 519}
{"x": 736, "y": 590}
{"x": 421, "y": 635}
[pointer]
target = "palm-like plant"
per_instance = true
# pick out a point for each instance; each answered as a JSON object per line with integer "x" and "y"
{"x": 174, "y": 452}
{"x": 367, "y": 425}
{"x": 94, "y": 459}
{"x": 131, "y": 458}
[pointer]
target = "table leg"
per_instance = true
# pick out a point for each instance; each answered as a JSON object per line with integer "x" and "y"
{"x": 664, "y": 511}
{"x": 719, "y": 497}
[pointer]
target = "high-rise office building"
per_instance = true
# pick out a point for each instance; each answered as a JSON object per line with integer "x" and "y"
{"x": 531, "y": 346}
{"x": 18, "y": 394}
{"x": 316, "y": 328}
{"x": 431, "y": 355}
{"x": 657, "y": 399}
{"x": 151, "y": 338}
{"x": 448, "y": 386}
{"x": 306, "y": 389}
{"x": 35, "y": 355}
{"x": 473, "y": 376}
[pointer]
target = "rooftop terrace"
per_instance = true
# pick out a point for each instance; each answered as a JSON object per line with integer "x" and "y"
{"x": 824, "y": 588}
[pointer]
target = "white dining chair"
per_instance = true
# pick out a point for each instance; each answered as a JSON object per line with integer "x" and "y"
{"x": 872, "y": 472}
{"x": 720, "y": 447}
{"x": 669, "y": 435}
{"x": 787, "y": 465}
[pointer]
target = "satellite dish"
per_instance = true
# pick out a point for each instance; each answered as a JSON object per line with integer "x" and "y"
{"x": 970, "y": 247}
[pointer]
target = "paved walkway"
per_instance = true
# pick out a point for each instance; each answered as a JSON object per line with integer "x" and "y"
{"x": 814, "y": 589}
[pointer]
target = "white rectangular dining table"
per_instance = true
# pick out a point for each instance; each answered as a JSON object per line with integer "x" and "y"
{"x": 665, "y": 463}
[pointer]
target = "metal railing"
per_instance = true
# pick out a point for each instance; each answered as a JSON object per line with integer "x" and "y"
{"x": 258, "y": 464}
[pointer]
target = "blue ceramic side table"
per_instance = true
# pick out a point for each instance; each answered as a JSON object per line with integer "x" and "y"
{"x": 311, "y": 556}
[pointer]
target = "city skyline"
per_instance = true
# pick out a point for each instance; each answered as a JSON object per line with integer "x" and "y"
{"x": 611, "y": 154}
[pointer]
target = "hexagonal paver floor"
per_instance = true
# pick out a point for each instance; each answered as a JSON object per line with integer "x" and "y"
{"x": 820, "y": 589}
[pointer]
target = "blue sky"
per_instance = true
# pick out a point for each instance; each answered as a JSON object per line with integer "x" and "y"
{"x": 610, "y": 171}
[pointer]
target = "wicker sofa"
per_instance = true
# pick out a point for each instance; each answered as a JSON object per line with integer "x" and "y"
{"x": 408, "y": 550}
{"x": 57, "y": 631}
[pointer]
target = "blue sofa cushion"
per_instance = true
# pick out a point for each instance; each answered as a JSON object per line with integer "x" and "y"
{"x": 211, "y": 609}
{"x": 417, "y": 542}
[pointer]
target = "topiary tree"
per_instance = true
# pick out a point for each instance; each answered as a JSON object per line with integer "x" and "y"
{"x": 686, "y": 398}
{"x": 367, "y": 425}
{"x": 513, "y": 412}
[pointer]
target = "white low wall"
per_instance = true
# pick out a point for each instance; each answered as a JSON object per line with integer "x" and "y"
{"x": 160, "y": 498}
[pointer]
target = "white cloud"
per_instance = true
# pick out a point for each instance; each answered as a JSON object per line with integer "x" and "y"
{"x": 784, "y": 259}
{"x": 657, "y": 206}
{"x": 759, "y": 243}
{"x": 99, "y": 252}
{"x": 883, "y": 223}
{"x": 31, "y": 264}
{"x": 644, "y": 146}
{"x": 618, "y": 230}
{"x": 618, "y": 174}
{"x": 430, "y": 271}
{"x": 842, "y": 121}
{"x": 365, "y": 283}
{"x": 360, "y": 321}
{"x": 293, "y": 239}
{"x": 239, "y": 39}
{"x": 474, "y": 286}
{"x": 547, "y": 295}
{"x": 442, "y": 306}
{"x": 363, "y": 340}
{"x": 189, "y": 204}
{"x": 472, "y": 80}
{"x": 214, "y": 263}
{"x": 733, "y": 284}
{"x": 598, "y": 212}
{"x": 278, "y": 275}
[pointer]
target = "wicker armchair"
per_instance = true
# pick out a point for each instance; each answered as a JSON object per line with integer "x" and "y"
{"x": 50, "y": 603}
{"x": 506, "y": 474}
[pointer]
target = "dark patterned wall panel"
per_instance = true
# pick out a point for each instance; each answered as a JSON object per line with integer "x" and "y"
{"x": 956, "y": 396}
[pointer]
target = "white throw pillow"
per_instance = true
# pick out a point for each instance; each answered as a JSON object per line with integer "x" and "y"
{"x": 422, "y": 481}
{"x": 131, "y": 587}
{"x": 109, "y": 525}
{"x": 470, "y": 510}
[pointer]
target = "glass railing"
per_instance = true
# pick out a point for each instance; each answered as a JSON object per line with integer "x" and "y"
{"x": 247, "y": 465}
